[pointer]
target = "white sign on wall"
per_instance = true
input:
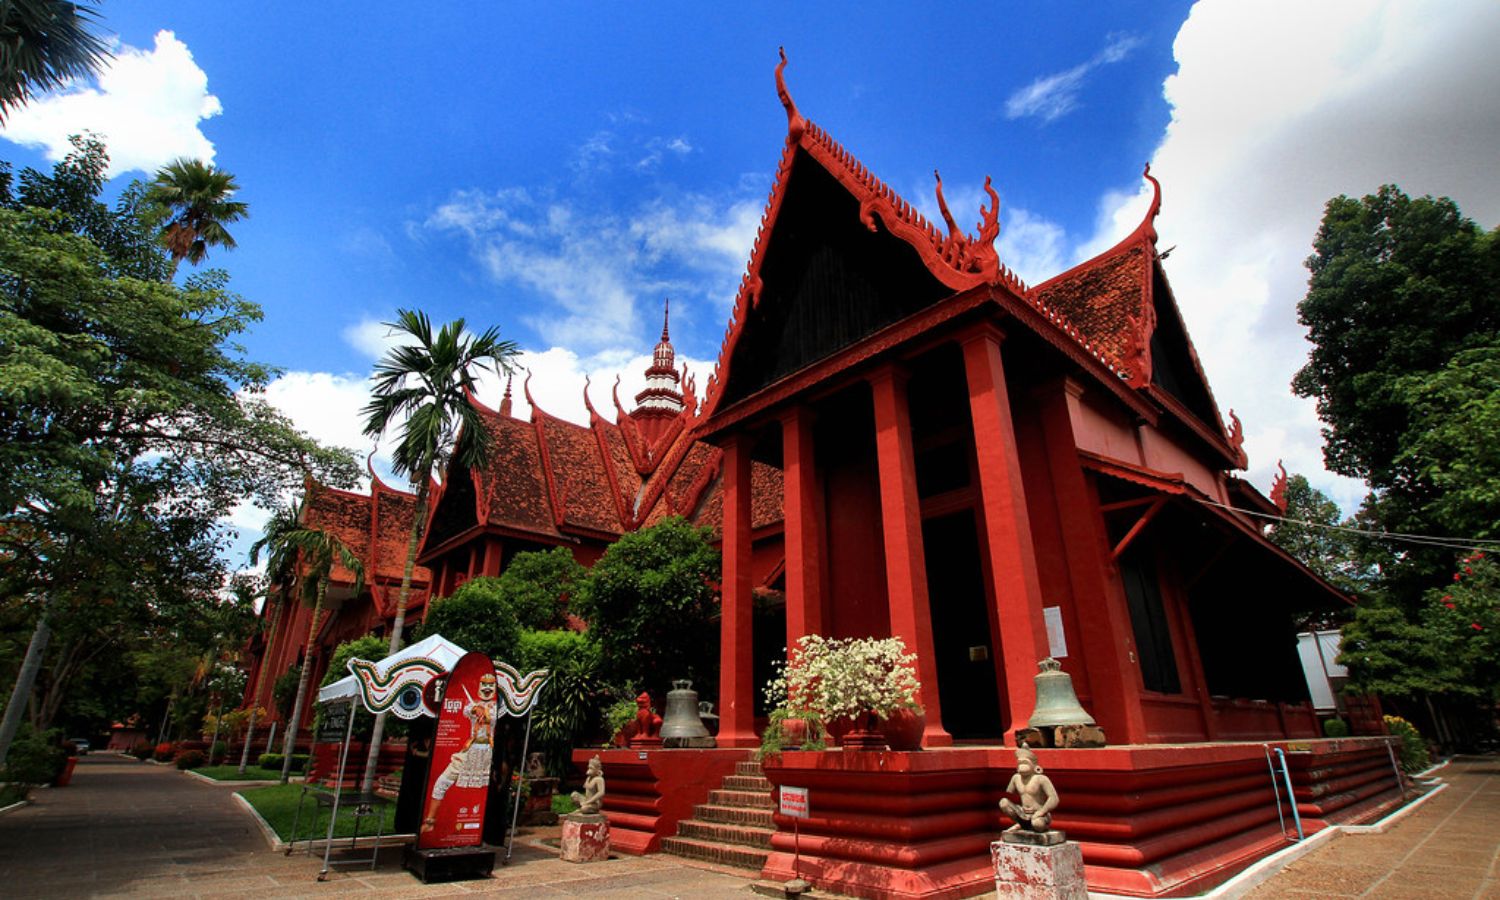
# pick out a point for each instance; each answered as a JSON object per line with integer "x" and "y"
{"x": 794, "y": 802}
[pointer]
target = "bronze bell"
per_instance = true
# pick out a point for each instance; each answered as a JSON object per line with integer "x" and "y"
{"x": 681, "y": 726}
{"x": 1056, "y": 704}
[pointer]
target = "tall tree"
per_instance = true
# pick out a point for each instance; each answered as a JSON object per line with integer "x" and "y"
{"x": 44, "y": 44}
{"x": 281, "y": 580}
{"x": 129, "y": 428}
{"x": 312, "y": 553}
{"x": 423, "y": 387}
{"x": 1315, "y": 532}
{"x": 192, "y": 202}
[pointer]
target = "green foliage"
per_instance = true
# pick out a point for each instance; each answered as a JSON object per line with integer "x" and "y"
{"x": 567, "y": 715}
{"x": 1465, "y": 617}
{"x": 651, "y": 603}
{"x": 617, "y": 715}
{"x": 190, "y": 201}
{"x": 48, "y": 44}
{"x": 1412, "y": 755}
{"x": 1398, "y": 287}
{"x": 1335, "y": 728}
{"x": 217, "y": 751}
{"x": 1333, "y": 554}
{"x": 476, "y": 617}
{"x": 36, "y": 757}
{"x": 190, "y": 759}
{"x": 537, "y": 584}
{"x": 273, "y": 761}
{"x": 130, "y": 426}
{"x": 1389, "y": 654}
{"x": 284, "y": 691}
{"x": 370, "y": 647}
{"x": 774, "y": 739}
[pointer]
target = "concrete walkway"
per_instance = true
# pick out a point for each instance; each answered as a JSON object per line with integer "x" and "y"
{"x": 1447, "y": 849}
{"x": 125, "y": 828}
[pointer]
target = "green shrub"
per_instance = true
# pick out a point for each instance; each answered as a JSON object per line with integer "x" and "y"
{"x": 142, "y": 750}
{"x": 537, "y": 584}
{"x": 476, "y": 617}
{"x": 36, "y": 757}
{"x": 190, "y": 759}
{"x": 617, "y": 715}
{"x": 272, "y": 762}
{"x": 1412, "y": 753}
{"x": 216, "y": 754}
{"x": 284, "y": 691}
{"x": 1335, "y": 728}
{"x": 567, "y": 715}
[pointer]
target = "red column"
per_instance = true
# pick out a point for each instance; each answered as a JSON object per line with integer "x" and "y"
{"x": 736, "y": 688}
{"x": 1103, "y": 620}
{"x": 492, "y": 557}
{"x": 1016, "y": 588}
{"x": 804, "y": 527}
{"x": 901, "y": 521}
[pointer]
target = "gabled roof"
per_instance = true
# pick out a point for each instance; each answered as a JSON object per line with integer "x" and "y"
{"x": 1114, "y": 314}
{"x": 376, "y": 526}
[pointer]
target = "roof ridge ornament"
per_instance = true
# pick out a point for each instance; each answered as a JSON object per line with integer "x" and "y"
{"x": 1278, "y": 488}
{"x": 795, "y": 123}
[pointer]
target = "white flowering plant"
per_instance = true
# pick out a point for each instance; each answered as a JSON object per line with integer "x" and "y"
{"x": 842, "y": 678}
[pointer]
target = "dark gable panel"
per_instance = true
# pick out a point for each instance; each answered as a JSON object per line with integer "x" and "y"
{"x": 1172, "y": 366}
{"x": 827, "y": 281}
{"x": 455, "y": 512}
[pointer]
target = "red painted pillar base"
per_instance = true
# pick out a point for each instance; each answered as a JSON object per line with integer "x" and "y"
{"x": 736, "y": 663}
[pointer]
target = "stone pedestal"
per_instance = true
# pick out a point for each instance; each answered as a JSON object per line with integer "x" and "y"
{"x": 585, "y": 838}
{"x": 1028, "y": 872}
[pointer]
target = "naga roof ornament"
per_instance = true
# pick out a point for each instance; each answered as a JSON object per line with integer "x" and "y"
{"x": 1278, "y": 488}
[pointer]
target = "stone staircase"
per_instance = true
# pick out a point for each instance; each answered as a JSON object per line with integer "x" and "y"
{"x": 734, "y": 827}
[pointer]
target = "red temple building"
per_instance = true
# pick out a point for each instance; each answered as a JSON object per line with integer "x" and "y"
{"x": 376, "y": 526}
{"x": 902, "y": 438}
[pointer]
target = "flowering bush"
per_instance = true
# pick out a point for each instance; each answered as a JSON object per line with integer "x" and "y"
{"x": 839, "y": 678}
{"x": 165, "y": 751}
{"x": 1413, "y": 750}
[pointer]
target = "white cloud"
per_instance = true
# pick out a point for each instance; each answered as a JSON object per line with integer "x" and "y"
{"x": 1277, "y": 107}
{"x": 595, "y": 267}
{"x": 148, "y": 107}
{"x": 372, "y": 337}
{"x": 1053, "y": 96}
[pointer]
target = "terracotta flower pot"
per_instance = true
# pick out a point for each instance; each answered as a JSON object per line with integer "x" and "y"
{"x": 793, "y": 733}
{"x": 903, "y": 729}
{"x": 865, "y": 735}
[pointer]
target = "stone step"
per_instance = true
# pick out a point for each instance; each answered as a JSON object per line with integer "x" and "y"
{"x": 735, "y": 855}
{"x": 755, "y": 799}
{"x": 747, "y": 783}
{"x": 749, "y": 767}
{"x": 725, "y": 834}
{"x": 734, "y": 815}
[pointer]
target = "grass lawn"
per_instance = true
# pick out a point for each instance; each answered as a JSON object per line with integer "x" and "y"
{"x": 232, "y": 773}
{"x": 277, "y": 804}
{"x": 562, "y": 804}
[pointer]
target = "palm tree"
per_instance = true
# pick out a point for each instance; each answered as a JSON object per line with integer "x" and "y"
{"x": 43, "y": 45}
{"x": 428, "y": 381}
{"x": 280, "y": 579}
{"x": 313, "y": 553}
{"x": 190, "y": 199}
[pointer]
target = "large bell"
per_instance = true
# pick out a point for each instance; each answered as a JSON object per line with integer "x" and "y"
{"x": 681, "y": 726}
{"x": 1056, "y": 704}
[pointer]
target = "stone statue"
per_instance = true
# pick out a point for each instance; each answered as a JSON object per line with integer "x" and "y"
{"x": 592, "y": 799}
{"x": 1038, "y": 796}
{"x": 535, "y": 768}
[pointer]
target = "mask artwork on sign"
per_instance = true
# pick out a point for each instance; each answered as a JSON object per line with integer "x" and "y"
{"x": 476, "y": 693}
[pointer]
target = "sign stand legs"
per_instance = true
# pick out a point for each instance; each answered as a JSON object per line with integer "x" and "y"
{"x": 338, "y": 792}
{"x": 510, "y": 836}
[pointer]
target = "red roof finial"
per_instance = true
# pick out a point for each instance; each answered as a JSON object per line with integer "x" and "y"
{"x": 505, "y": 401}
{"x": 1278, "y": 488}
{"x": 666, "y": 308}
{"x": 795, "y": 124}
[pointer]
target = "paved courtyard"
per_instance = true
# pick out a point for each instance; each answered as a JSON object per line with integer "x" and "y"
{"x": 125, "y": 828}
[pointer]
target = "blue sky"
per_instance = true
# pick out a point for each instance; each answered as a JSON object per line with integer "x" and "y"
{"x": 557, "y": 169}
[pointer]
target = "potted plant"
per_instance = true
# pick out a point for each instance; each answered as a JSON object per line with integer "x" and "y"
{"x": 863, "y": 680}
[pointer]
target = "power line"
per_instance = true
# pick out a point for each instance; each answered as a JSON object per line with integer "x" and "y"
{"x": 1446, "y": 542}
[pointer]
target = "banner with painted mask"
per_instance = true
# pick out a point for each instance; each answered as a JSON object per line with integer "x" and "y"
{"x": 462, "y": 751}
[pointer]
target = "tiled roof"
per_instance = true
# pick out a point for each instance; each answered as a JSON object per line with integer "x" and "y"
{"x": 376, "y": 526}
{"x": 514, "y": 484}
{"x": 1107, "y": 300}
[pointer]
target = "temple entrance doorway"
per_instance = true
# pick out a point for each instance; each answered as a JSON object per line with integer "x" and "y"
{"x": 961, "y": 637}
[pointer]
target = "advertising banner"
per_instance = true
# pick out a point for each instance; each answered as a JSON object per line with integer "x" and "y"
{"x": 462, "y": 749}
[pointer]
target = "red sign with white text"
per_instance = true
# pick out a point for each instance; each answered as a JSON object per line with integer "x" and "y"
{"x": 459, "y": 779}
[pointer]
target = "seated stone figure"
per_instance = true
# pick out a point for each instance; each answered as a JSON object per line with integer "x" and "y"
{"x": 591, "y": 800}
{"x": 1038, "y": 796}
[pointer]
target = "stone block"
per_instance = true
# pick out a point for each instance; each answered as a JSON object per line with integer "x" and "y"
{"x": 1034, "y": 838}
{"x": 1024, "y": 872}
{"x": 1031, "y": 737}
{"x": 1073, "y": 736}
{"x": 585, "y": 838}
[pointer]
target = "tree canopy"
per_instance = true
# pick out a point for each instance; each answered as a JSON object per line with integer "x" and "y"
{"x": 130, "y": 426}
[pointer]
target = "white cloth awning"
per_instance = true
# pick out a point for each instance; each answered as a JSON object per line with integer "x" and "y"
{"x": 436, "y": 648}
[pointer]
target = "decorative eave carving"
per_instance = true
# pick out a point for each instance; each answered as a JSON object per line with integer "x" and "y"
{"x": 1278, "y": 488}
{"x": 538, "y": 422}
{"x": 1237, "y": 440}
{"x": 640, "y": 456}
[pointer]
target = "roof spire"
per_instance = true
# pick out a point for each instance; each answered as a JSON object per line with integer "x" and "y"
{"x": 795, "y": 124}
{"x": 666, "y": 309}
{"x": 505, "y": 401}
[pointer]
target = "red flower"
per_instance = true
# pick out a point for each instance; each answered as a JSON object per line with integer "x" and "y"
{"x": 1475, "y": 626}
{"x": 1468, "y": 571}
{"x": 1449, "y": 605}
{"x": 1447, "y": 596}
{"x": 1457, "y": 577}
